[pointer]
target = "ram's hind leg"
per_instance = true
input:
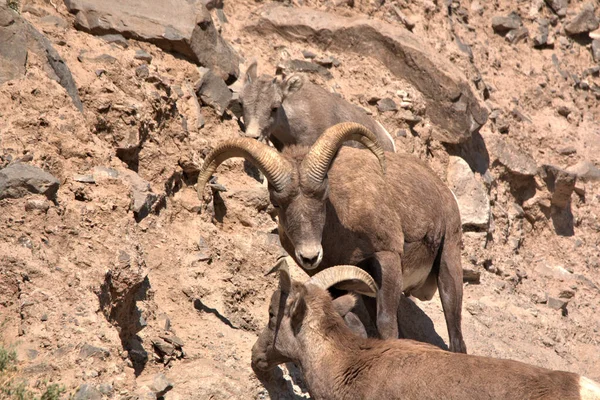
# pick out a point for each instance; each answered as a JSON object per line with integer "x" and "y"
{"x": 450, "y": 285}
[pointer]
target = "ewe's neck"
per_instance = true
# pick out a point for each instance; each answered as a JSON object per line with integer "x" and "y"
{"x": 324, "y": 349}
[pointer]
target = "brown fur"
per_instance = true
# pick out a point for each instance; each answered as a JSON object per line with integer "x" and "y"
{"x": 297, "y": 111}
{"x": 403, "y": 228}
{"x": 338, "y": 365}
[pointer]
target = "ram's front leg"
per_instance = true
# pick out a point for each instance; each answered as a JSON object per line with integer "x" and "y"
{"x": 386, "y": 269}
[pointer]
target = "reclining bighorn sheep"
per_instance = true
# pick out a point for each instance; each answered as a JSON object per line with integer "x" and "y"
{"x": 296, "y": 111}
{"x": 402, "y": 227}
{"x": 305, "y": 328}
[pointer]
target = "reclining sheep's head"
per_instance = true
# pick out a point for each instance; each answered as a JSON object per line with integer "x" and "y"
{"x": 298, "y": 188}
{"x": 295, "y": 304}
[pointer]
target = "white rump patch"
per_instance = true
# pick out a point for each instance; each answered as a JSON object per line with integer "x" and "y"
{"x": 388, "y": 135}
{"x": 588, "y": 389}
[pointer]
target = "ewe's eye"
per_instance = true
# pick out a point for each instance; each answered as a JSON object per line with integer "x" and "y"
{"x": 274, "y": 204}
{"x": 274, "y": 110}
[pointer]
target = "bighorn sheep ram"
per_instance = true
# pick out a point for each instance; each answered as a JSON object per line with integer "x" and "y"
{"x": 305, "y": 327}
{"x": 296, "y": 111}
{"x": 402, "y": 227}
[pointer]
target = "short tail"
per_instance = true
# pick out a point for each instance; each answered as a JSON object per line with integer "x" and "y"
{"x": 588, "y": 389}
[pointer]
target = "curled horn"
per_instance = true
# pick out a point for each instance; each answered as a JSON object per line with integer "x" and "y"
{"x": 340, "y": 273}
{"x": 317, "y": 162}
{"x": 275, "y": 168}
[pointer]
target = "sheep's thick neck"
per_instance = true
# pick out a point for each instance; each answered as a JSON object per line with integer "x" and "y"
{"x": 325, "y": 342}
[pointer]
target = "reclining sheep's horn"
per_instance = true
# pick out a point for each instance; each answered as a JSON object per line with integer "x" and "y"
{"x": 275, "y": 168}
{"x": 317, "y": 162}
{"x": 340, "y": 273}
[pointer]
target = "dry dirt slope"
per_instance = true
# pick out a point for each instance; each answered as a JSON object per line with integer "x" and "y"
{"x": 178, "y": 276}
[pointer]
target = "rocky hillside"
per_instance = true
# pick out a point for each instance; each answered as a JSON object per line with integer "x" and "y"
{"x": 117, "y": 282}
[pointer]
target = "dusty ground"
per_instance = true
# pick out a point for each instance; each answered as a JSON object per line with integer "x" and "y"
{"x": 205, "y": 275}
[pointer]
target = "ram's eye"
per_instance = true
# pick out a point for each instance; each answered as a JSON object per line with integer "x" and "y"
{"x": 275, "y": 204}
{"x": 271, "y": 315}
{"x": 274, "y": 109}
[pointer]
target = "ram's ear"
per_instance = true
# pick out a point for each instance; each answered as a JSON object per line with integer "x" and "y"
{"x": 292, "y": 84}
{"x": 251, "y": 73}
{"x": 297, "y": 310}
{"x": 344, "y": 304}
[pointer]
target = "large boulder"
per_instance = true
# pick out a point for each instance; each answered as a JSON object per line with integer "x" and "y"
{"x": 471, "y": 195}
{"x": 18, "y": 180}
{"x": 451, "y": 105}
{"x": 17, "y": 38}
{"x": 179, "y": 26}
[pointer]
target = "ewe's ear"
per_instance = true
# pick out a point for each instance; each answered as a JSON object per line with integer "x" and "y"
{"x": 250, "y": 74}
{"x": 297, "y": 311}
{"x": 344, "y": 304}
{"x": 292, "y": 84}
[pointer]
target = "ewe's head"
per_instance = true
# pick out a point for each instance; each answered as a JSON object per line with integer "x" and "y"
{"x": 261, "y": 99}
{"x": 298, "y": 187}
{"x": 296, "y": 308}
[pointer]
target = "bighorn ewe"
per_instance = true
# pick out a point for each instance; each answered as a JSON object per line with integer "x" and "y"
{"x": 403, "y": 227}
{"x": 305, "y": 328}
{"x": 297, "y": 111}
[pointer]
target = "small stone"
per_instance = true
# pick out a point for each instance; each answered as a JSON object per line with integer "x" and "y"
{"x": 87, "y": 392}
{"x": 161, "y": 385}
{"x": 564, "y": 111}
{"x": 214, "y": 92}
{"x": 512, "y": 158}
{"x": 557, "y": 304}
{"x": 88, "y": 351}
{"x": 401, "y": 133}
{"x": 40, "y": 204}
{"x": 142, "y": 55}
{"x": 142, "y": 71}
{"x": 106, "y": 389}
{"x": 387, "y": 104}
{"x": 584, "y": 22}
{"x": 471, "y": 276}
{"x": 585, "y": 171}
{"x": 566, "y": 294}
{"x": 116, "y": 39}
{"x": 541, "y": 37}
{"x": 596, "y": 50}
{"x": 326, "y": 62}
{"x": 304, "y": 66}
{"x": 558, "y": 6}
{"x": 308, "y": 54}
{"x": 568, "y": 150}
{"x": 163, "y": 347}
{"x": 44, "y": 317}
{"x": 516, "y": 35}
{"x": 502, "y": 24}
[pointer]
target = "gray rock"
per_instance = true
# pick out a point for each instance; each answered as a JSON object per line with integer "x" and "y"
{"x": 471, "y": 195}
{"x": 54, "y": 20}
{"x": 161, "y": 385}
{"x": 214, "y": 92}
{"x": 596, "y": 50}
{"x": 516, "y": 35}
{"x": 503, "y": 24}
{"x": 583, "y": 22}
{"x": 87, "y": 351}
{"x": 87, "y": 392}
{"x": 115, "y": 38}
{"x": 106, "y": 389}
{"x": 142, "y": 198}
{"x": 513, "y": 159}
{"x": 326, "y": 62}
{"x": 305, "y": 66}
{"x": 541, "y": 37}
{"x": 560, "y": 182}
{"x": 142, "y": 71}
{"x": 450, "y": 103}
{"x": 142, "y": 55}
{"x": 557, "y": 304}
{"x": 586, "y": 171}
{"x": 564, "y": 111}
{"x": 308, "y": 54}
{"x": 387, "y": 104}
{"x": 17, "y": 38}
{"x": 568, "y": 150}
{"x": 558, "y": 6}
{"x": 472, "y": 276}
{"x": 18, "y": 180}
{"x": 179, "y": 26}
